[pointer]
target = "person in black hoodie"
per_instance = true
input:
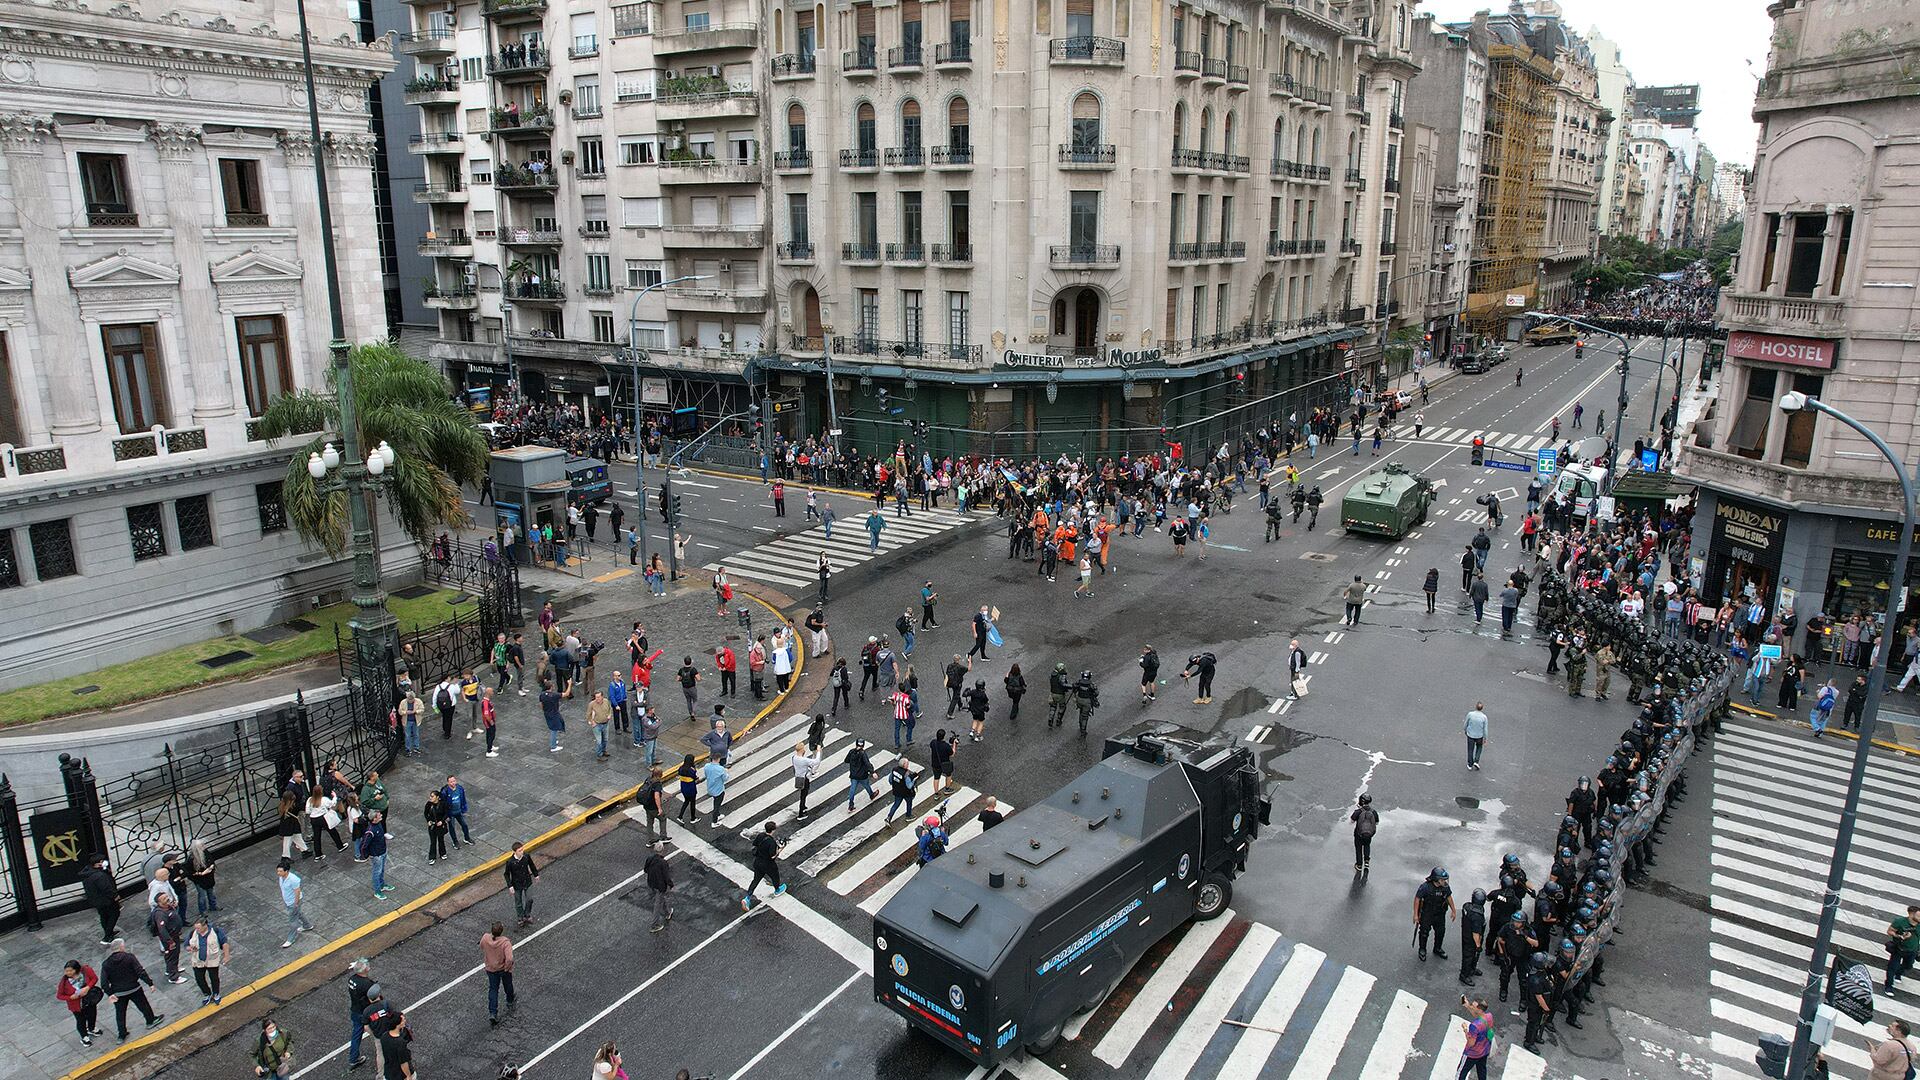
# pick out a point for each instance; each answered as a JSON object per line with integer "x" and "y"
{"x": 122, "y": 977}
{"x": 660, "y": 883}
{"x": 859, "y": 773}
{"x": 102, "y": 895}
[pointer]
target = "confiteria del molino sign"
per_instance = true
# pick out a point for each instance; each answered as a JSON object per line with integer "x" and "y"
{"x": 1120, "y": 358}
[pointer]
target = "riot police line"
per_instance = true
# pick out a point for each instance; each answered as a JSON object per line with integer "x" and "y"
{"x": 1613, "y": 820}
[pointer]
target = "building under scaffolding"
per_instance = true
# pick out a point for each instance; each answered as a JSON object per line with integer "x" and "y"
{"x": 1513, "y": 206}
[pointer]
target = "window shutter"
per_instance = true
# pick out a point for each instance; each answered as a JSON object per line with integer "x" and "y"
{"x": 863, "y": 20}
{"x": 959, "y": 10}
{"x": 910, "y": 11}
{"x": 957, "y": 111}
{"x": 1080, "y": 7}
{"x": 1086, "y": 107}
{"x": 910, "y": 110}
{"x": 803, "y": 20}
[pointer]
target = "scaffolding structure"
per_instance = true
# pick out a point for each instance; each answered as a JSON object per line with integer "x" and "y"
{"x": 1511, "y": 219}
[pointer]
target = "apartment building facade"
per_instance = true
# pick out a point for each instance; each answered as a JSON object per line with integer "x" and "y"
{"x": 1615, "y": 94}
{"x": 1068, "y": 224}
{"x": 1797, "y": 510}
{"x": 1452, "y": 103}
{"x": 578, "y": 162}
{"x": 159, "y": 284}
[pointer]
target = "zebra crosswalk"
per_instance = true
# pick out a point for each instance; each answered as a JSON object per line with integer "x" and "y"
{"x": 1226, "y": 998}
{"x": 1516, "y": 442}
{"x": 1776, "y": 805}
{"x": 794, "y": 560}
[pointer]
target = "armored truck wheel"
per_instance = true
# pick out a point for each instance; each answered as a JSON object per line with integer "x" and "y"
{"x": 1216, "y": 892}
{"x": 1047, "y": 1040}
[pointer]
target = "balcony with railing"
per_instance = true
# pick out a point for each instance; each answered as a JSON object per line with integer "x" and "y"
{"x": 1185, "y": 157}
{"x": 535, "y": 238}
{"x": 1238, "y": 76}
{"x": 1213, "y": 69}
{"x": 509, "y": 123}
{"x": 589, "y": 110}
{"x": 682, "y": 40}
{"x": 1391, "y": 185}
{"x": 1280, "y": 85}
{"x": 584, "y": 47}
{"x": 455, "y": 244}
{"x": 860, "y": 62}
{"x": 159, "y": 441}
{"x": 1358, "y": 181}
{"x": 860, "y": 252}
{"x": 794, "y": 66}
{"x": 955, "y": 53}
{"x": 1388, "y": 247}
{"x": 706, "y": 296}
{"x": 794, "y": 251}
{"x": 914, "y": 254}
{"x": 1318, "y": 96}
{"x": 436, "y": 142}
{"x": 951, "y": 254}
{"x": 906, "y": 58}
{"x": 431, "y": 91}
{"x": 1087, "y": 155}
{"x": 699, "y": 169}
{"x": 451, "y": 297}
{"x": 443, "y": 192}
{"x": 1396, "y": 121}
{"x": 680, "y": 234}
{"x": 1357, "y": 107}
{"x": 425, "y": 44}
{"x": 905, "y": 158}
{"x": 703, "y": 97}
{"x": 1087, "y": 49}
{"x": 1067, "y": 256}
{"x": 536, "y": 292}
{"x": 525, "y": 179}
{"x": 793, "y": 161}
{"x": 1352, "y": 316}
{"x": 513, "y": 10}
{"x": 595, "y": 230}
{"x": 863, "y": 158}
{"x": 1349, "y": 246}
{"x": 1280, "y": 248}
{"x": 1186, "y": 64}
{"x": 514, "y": 62}
{"x": 1782, "y": 314}
{"x": 952, "y": 157}
{"x": 632, "y": 20}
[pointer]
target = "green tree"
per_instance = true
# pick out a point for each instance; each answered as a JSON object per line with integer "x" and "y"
{"x": 410, "y": 407}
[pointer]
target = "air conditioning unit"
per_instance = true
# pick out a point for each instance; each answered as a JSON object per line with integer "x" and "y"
{"x": 713, "y": 70}
{"x": 726, "y": 266}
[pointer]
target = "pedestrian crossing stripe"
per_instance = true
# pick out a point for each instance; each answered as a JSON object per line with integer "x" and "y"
{"x": 1225, "y": 998}
{"x": 1775, "y": 803}
{"x": 793, "y": 560}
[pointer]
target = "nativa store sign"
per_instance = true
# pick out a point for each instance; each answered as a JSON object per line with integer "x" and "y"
{"x": 1111, "y": 358}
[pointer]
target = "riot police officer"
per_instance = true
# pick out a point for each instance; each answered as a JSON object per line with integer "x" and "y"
{"x": 1576, "y": 667}
{"x": 1314, "y": 501}
{"x": 1432, "y": 907}
{"x": 1473, "y": 936}
{"x": 1511, "y": 947}
{"x": 1538, "y": 988}
{"x": 1059, "y": 688}
{"x": 1299, "y": 500}
{"x": 1275, "y": 516}
{"x": 1580, "y": 806}
{"x": 1086, "y": 697}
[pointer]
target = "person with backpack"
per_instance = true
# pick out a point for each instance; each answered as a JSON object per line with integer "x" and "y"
{"x": 1366, "y": 821}
{"x": 977, "y": 703}
{"x": 1016, "y": 685}
{"x": 445, "y": 700}
{"x": 901, "y": 782}
{"x": 840, "y": 681}
{"x": 932, "y": 840}
{"x": 766, "y": 853}
{"x": 653, "y": 802}
{"x": 859, "y": 773}
{"x": 1892, "y": 1059}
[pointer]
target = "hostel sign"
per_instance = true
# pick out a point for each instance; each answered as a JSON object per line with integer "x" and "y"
{"x": 1815, "y": 353}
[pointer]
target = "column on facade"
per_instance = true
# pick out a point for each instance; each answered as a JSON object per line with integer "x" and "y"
{"x": 1830, "y": 255}
{"x": 350, "y": 183}
{"x": 297, "y": 149}
{"x": 187, "y": 203}
{"x": 75, "y": 406}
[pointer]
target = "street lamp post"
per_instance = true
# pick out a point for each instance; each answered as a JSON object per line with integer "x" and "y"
{"x": 639, "y": 453}
{"x": 1801, "y": 1053}
{"x": 833, "y": 411}
{"x": 375, "y": 632}
{"x": 1626, "y": 354}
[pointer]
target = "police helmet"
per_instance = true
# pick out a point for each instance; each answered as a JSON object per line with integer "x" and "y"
{"x": 1584, "y": 781}
{"x": 1086, "y": 675}
{"x": 1439, "y": 874}
{"x": 1550, "y": 889}
{"x": 1060, "y": 665}
{"x": 1537, "y": 960}
{"x": 1479, "y": 896}
{"x": 1567, "y": 945}
{"x": 1603, "y": 876}
{"x": 1509, "y": 859}
{"x": 1518, "y": 917}
{"x": 1589, "y": 889}
{"x": 1566, "y": 853}
{"x": 1569, "y": 822}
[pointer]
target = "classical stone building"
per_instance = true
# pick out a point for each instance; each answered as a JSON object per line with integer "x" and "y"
{"x": 1452, "y": 102}
{"x": 1797, "y": 509}
{"x": 159, "y": 283}
{"x": 1056, "y": 224}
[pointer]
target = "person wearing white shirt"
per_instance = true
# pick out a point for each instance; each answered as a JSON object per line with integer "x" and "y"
{"x": 805, "y": 767}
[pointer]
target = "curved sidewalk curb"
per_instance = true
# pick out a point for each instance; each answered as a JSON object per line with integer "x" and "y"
{"x": 120, "y": 1055}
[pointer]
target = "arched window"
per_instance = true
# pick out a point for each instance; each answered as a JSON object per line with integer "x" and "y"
{"x": 865, "y": 137}
{"x": 1226, "y": 144}
{"x": 779, "y": 31}
{"x": 1279, "y": 139}
{"x": 959, "y": 136}
{"x": 1179, "y": 125}
{"x": 1206, "y": 129}
{"x": 910, "y": 124}
{"x": 1316, "y": 146}
{"x": 1300, "y": 144}
{"x": 796, "y": 127}
{"x": 1086, "y": 122}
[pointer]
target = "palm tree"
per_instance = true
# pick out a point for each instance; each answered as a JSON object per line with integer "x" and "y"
{"x": 408, "y": 405}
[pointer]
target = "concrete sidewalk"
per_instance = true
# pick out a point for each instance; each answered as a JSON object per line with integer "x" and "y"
{"x": 519, "y": 795}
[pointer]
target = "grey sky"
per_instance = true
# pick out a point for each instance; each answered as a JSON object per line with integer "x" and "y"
{"x": 1665, "y": 42}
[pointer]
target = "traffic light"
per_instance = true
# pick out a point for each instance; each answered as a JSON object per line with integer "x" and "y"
{"x": 674, "y": 511}
{"x": 1479, "y": 450}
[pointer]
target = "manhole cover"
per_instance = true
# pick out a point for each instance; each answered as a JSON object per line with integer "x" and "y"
{"x": 267, "y": 635}
{"x": 414, "y": 592}
{"x": 88, "y": 689}
{"x": 301, "y": 625}
{"x": 1318, "y": 556}
{"x": 226, "y": 658}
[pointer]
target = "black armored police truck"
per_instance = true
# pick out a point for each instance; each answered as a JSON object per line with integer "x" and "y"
{"x": 997, "y": 944}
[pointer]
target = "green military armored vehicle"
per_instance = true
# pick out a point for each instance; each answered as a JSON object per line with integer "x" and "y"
{"x": 1387, "y": 502}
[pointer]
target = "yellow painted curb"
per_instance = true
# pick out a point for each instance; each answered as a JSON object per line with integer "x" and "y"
{"x": 365, "y": 930}
{"x": 1796, "y": 722}
{"x": 612, "y": 575}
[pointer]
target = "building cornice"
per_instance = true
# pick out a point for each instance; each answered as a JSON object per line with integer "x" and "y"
{"x": 101, "y": 482}
{"x": 71, "y": 30}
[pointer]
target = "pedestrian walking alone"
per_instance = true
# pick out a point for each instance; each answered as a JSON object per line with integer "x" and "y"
{"x": 806, "y": 765}
{"x": 521, "y": 872}
{"x": 435, "y": 814}
{"x": 1366, "y": 822}
{"x": 1476, "y": 731}
{"x": 124, "y": 979}
{"x": 766, "y": 867}
{"x": 1355, "y": 595}
{"x": 689, "y": 777}
{"x": 290, "y": 897}
{"x": 273, "y": 1051}
{"x": 660, "y": 884}
{"x": 207, "y": 951}
{"x": 496, "y": 955}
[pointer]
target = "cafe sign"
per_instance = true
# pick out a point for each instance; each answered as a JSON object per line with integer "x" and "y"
{"x": 1111, "y": 358}
{"x": 1816, "y": 353}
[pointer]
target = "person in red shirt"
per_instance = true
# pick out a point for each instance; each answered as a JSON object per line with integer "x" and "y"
{"x": 728, "y": 666}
